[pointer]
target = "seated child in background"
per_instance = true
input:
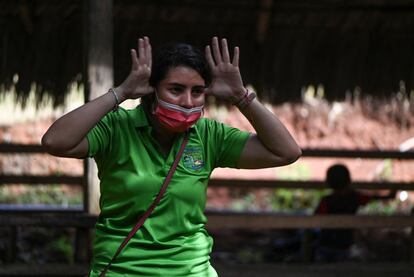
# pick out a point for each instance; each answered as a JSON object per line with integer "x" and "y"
{"x": 334, "y": 244}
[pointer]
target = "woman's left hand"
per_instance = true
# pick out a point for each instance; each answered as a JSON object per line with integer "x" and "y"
{"x": 227, "y": 81}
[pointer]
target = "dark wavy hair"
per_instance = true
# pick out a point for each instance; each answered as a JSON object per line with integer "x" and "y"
{"x": 178, "y": 54}
{"x": 173, "y": 55}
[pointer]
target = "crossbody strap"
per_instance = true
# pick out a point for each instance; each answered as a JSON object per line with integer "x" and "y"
{"x": 152, "y": 207}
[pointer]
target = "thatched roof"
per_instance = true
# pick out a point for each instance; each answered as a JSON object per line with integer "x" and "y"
{"x": 285, "y": 45}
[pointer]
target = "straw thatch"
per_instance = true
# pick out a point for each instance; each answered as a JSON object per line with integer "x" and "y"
{"x": 285, "y": 45}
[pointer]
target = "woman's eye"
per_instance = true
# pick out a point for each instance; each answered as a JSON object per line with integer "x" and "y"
{"x": 175, "y": 90}
{"x": 198, "y": 91}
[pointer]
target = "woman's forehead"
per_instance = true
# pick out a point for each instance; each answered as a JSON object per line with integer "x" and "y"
{"x": 183, "y": 75}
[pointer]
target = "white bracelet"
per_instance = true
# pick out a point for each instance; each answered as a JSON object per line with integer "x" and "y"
{"x": 116, "y": 99}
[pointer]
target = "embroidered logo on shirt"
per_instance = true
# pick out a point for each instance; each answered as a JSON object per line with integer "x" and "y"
{"x": 193, "y": 158}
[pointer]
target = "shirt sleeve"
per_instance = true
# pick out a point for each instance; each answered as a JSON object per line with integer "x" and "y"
{"x": 363, "y": 199}
{"x": 228, "y": 143}
{"x": 322, "y": 207}
{"x": 100, "y": 136}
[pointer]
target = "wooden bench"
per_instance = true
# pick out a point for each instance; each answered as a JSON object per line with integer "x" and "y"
{"x": 220, "y": 221}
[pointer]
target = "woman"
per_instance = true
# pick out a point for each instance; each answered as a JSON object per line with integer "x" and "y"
{"x": 134, "y": 150}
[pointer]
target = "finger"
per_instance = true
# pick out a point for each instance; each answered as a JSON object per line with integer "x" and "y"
{"x": 148, "y": 52}
{"x": 225, "y": 51}
{"x": 134, "y": 59}
{"x": 209, "y": 57}
{"x": 236, "y": 55}
{"x": 216, "y": 50}
{"x": 141, "y": 51}
{"x": 146, "y": 56}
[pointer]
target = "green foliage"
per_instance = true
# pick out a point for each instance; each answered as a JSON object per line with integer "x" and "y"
{"x": 298, "y": 171}
{"x": 39, "y": 194}
{"x": 295, "y": 200}
{"x": 391, "y": 207}
{"x": 62, "y": 247}
{"x": 246, "y": 202}
{"x": 279, "y": 200}
{"x": 386, "y": 170}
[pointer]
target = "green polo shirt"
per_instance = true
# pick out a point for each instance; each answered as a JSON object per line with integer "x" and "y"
{"x": 173, "y": 240}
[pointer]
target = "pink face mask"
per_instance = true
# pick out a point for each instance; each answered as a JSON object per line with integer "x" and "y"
{"x": 176, "y": 118}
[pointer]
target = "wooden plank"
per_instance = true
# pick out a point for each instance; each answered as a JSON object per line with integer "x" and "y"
{"x": 228, "y": 220}
{"x": 21, "y": 148}
{"x": 306, "y": 152}
{"x": 11, "y": 250}
{"x": 40, "y": 208}
{"x": 82, "y": 245}
{"x": 246, "y": 183}
{"x": 356, "y": 269}
{"x": 36, "y": 179}
{"x": 48, "y": 220}
{"x": 273, "y": 221}
{"x": 400, "y": 269}
{"x": 368, "y": 154}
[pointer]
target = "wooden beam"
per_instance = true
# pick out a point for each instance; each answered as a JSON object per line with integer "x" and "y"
{"x": 48, "y": 220}
{"x": 255, "y": 221}
{"x": 227, "y": 220}
{"x": 243, "y": 183}
{"x": 306, "y": 152}
{"x": 368, "y": 154}
{"x": 21, "y": 148}
{"x": 232, "y": 269}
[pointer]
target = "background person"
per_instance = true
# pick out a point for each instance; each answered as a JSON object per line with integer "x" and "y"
{"x": 334, "y": 244}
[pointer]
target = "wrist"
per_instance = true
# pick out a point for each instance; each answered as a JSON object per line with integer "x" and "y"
{"x": 238, "y": 95}
{"x": 246, "y": 100}
{"x": 114, "y": 95}
{"x": 120, "y": 92}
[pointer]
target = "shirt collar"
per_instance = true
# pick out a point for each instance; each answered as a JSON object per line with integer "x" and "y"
{"x": 140, "y": 118}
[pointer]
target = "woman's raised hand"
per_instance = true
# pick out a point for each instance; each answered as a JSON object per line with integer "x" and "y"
{"x": 137, "y": 83}
{"x": 227, "y": 82}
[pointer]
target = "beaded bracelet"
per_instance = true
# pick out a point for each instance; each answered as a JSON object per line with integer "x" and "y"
{"x": 246, "y": 100}
{"x": 116, "y": 99}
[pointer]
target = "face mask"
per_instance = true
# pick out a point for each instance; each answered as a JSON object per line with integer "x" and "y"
{"x": 176, "y": 118}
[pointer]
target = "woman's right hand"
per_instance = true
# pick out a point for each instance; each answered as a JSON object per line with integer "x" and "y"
{"x": 136, "y": 84}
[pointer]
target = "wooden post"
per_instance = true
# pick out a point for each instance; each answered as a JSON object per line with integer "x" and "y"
{"x": 83, "y": 250}
{"x": 12, "y": 245}
{"x": 306, "y": 246}
{"x": 98, "y": 36}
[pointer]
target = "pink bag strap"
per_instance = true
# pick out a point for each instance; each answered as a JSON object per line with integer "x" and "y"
{"x": 152, "y": 207}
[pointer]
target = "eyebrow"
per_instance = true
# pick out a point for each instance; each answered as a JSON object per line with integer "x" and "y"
{"x": 181, "y": 85}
